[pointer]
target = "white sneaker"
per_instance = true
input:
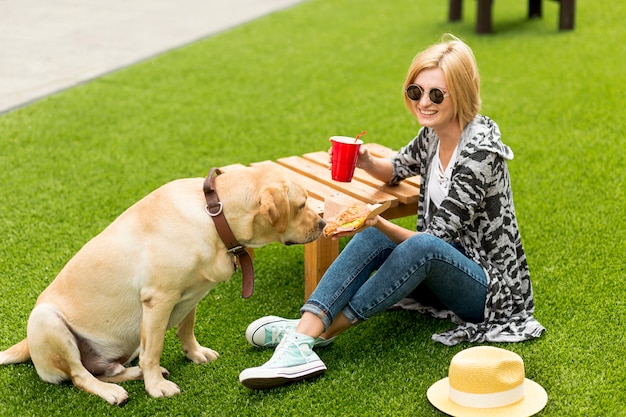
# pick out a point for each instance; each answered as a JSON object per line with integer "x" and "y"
{"x": 293, "y": 360}
{"x": 268, "y": 331}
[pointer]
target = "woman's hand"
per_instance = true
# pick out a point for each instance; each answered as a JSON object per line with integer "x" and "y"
{"x": 363, "y": 161}
{"x": 368, "y": 223}
{"x": 397, "y": 234}
{"x": 377, "y": 167}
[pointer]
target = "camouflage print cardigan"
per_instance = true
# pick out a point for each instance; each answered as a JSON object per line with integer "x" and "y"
{"x": 479, "y": 212}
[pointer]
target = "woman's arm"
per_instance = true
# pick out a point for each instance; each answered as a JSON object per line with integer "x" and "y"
{"x": 382, "y": 169}
{"x": 377, "y": 167}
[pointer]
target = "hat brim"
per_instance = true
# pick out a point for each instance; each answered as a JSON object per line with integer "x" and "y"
{"x": 535, "y": 399}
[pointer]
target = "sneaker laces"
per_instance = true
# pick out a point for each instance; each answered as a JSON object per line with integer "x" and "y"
{"x": 278, "y": 331}
{"x": 286, "y": 348}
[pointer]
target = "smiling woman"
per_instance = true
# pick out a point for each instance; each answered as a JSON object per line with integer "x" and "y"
{"x": 280, "y": 86}
{"x": 479, "y": 280}
{"x": 439, "y": 113}
{"x": 458, "y": 77}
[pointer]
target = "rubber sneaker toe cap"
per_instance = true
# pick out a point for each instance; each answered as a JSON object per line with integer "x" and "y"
{"x": 256, "y": 332}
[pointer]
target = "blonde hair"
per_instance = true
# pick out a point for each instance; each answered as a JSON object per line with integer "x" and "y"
{"x": 458, "y": 64}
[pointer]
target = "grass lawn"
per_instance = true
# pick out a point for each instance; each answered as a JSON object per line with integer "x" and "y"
{"x": 282, "y": 85}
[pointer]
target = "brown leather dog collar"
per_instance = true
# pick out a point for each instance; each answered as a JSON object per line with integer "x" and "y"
{"x": 215, "y": 210}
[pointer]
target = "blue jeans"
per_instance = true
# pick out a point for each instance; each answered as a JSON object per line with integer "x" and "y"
{"x": 372, "y": 273}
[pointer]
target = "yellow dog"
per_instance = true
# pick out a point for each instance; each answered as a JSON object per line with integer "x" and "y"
{"x": 146, "y": 272}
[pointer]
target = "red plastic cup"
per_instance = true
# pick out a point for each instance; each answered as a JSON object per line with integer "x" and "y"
{"x": 345, "y": 152}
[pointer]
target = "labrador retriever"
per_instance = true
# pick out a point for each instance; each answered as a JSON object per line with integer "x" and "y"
{"x": 146, "y": 272}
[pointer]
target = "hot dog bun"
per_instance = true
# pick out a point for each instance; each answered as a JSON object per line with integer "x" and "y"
{"x": 350, "y": 219}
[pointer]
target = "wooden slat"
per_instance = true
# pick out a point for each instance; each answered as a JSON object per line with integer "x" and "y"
{"x": 415, "y": 181}
{"x": 318, "y": 255}
{"x": 231, "y": 167}
{"x": 385, "y": 152}
{"x": 407, "y": 193}
{"x": 380, "y": 150}
{"x": 313, "y": 174}
{"x": 355, "y": 189}
{"x": 315, "y": 189}
{"x": 400, "y": 211}
{"x": 315, "y": 204}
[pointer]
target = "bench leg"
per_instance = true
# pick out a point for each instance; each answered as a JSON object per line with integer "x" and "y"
{"x": 455, "y": 10}
{"x": 318, "y": 256}
{"x": 566, "y": 14}
{"x": 483, "y": 21}
{"x": 534, "y": 9}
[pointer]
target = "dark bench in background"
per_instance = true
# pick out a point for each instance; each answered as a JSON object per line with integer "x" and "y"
{"x": 483, "y": 19}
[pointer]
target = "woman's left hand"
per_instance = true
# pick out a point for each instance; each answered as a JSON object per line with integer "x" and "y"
{"x": 368, "y": 223}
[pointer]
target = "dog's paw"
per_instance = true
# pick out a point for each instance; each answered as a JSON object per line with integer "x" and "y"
{"x": 202, "y": 355}
{"x": 113, "y": 394}
{"x": 162, "y": 389}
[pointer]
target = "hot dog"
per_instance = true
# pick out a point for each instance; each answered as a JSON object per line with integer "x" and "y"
{"x": 350, "y": 219}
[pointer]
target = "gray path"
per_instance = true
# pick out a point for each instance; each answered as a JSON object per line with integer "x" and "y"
{"x": 49, "y": 45}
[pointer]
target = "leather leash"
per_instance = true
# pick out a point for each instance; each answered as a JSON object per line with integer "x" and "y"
{"x": 215, "y": 210}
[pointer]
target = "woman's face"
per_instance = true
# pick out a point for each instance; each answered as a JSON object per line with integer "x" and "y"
{"x": 436, "y": 116}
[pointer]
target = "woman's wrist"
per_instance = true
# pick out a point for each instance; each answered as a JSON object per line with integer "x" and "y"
{"x": 366, "y": 162}
{"x": 377, "y": 167}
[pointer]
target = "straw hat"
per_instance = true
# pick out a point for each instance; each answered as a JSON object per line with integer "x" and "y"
{"x": 486, "y": 381}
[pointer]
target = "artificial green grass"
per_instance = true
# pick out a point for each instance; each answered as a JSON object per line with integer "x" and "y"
{"x": 282, "y": 85}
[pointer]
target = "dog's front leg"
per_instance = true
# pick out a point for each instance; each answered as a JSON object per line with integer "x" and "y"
{"x": 192, "y": 349}
{"x": 157, "y": 308}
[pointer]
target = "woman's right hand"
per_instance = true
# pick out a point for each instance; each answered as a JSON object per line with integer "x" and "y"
{"x": 377, "y": 167}
{"x": 364, "y": 160}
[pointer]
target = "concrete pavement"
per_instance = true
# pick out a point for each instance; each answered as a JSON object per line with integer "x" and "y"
{"x": 49, "y": 45}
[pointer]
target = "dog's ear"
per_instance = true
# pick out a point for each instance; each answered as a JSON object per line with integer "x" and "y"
{"x": 275, "y": 207}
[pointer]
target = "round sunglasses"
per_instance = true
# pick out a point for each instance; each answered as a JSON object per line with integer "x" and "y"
{"x": 414, "y": 92}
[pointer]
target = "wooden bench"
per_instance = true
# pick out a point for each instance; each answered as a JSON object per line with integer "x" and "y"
{"x": 483, "y": 16}
{"x": 311, "y": 170}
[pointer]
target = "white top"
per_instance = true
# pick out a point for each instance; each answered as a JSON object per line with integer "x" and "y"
{"x": 439, "y": 179}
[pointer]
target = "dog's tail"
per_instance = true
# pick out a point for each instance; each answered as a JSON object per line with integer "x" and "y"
{"x": 15, "y": 354}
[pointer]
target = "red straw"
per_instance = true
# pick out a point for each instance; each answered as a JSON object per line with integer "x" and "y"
{"x": 359, "y": 135}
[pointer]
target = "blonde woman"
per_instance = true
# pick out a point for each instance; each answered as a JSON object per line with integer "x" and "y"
{"x": 465, "y": 262}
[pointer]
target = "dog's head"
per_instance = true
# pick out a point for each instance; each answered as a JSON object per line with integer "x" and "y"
{"x": 263, "y": 205}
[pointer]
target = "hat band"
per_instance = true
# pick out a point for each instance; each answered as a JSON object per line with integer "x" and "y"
{"x": 493, "y": 400}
